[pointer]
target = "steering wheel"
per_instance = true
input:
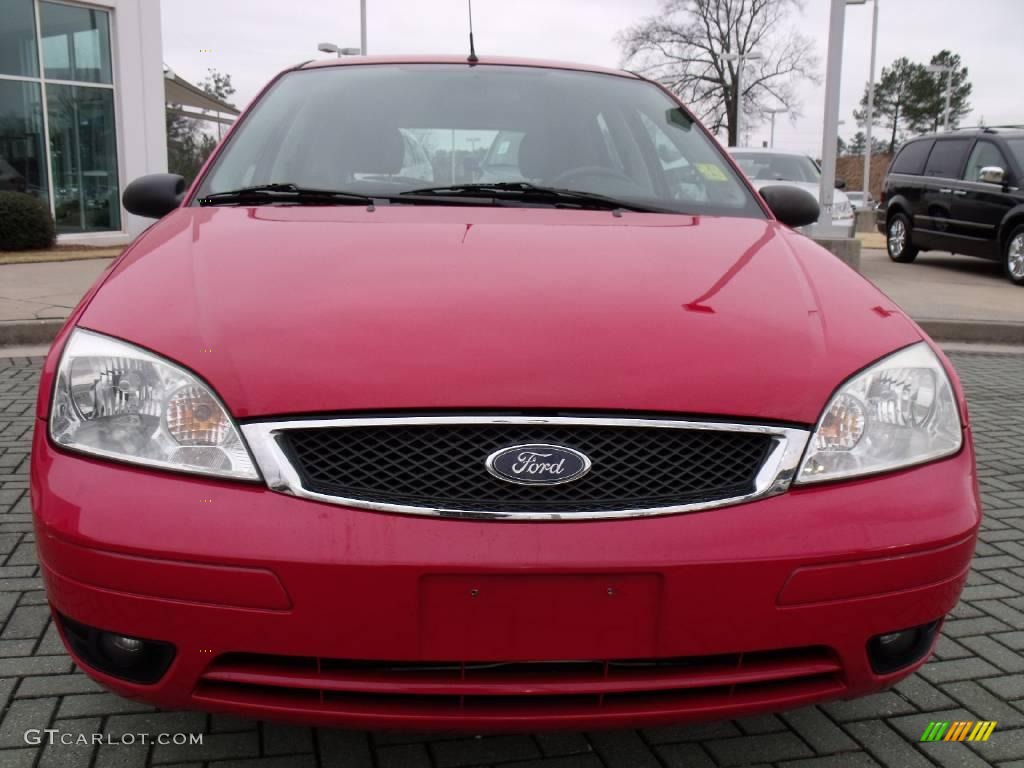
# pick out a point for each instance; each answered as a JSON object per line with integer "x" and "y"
{"x": 589, "y": 170}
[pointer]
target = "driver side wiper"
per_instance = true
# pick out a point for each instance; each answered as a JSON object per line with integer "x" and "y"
{"x": 525, "y": 191}
{"x": 264, "y": 194}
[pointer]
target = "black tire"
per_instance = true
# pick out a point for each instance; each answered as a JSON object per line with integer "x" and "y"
{"x": 1013, "y": 256}
{"x": 898, "y": 239}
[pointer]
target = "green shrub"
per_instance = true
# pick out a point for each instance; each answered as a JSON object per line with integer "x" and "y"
{"x": 25, "y": 223}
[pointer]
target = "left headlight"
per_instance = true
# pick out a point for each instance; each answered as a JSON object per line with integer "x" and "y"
{"x": 842, "y": 210}
{"x": 115, "y": 400}
{"x": 899, "y": 412}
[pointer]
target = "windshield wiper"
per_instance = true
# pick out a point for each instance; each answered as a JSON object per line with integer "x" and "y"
{"x": 265, "y": 194}
{"x": 526, "y": 192}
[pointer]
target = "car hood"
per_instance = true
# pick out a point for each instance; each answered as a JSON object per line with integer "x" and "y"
{"x": 301, "y": 310}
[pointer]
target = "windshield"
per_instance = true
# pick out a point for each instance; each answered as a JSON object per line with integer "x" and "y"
{"x": 769, "y": 166}
{"x": 387, "y": 129}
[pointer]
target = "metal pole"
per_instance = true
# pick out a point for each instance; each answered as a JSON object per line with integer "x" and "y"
{"x": 949, "y": 93}
{"x": 871, "y": 106}
{"x": 362, "y": 26}
{"x": 771, "y": 143}
{"x": 833, "y": 75}
{"x": 739, "y": 99}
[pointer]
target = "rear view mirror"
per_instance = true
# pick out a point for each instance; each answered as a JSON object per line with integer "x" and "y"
{"x": 992, "y": 174}
{"x": 793, "y": 206}
{"x": 155, "y": 195}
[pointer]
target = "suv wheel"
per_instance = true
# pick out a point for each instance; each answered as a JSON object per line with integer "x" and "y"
{"x": 897, "y": 240}
{"x": 1013, "y": 259}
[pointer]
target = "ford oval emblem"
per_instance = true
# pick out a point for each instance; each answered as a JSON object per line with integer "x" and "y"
{"x": 538, "y": 464}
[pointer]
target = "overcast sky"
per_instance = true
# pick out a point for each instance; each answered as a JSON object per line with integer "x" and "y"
{"x": 254, "y": 39}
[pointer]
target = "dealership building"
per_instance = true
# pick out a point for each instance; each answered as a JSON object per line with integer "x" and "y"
{"x": 81, "y": 109}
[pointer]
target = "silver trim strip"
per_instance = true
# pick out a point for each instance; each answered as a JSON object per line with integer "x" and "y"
{"x": 775, "y": 477}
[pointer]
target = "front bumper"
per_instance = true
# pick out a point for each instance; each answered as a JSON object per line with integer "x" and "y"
{"x": 760, "y": 606}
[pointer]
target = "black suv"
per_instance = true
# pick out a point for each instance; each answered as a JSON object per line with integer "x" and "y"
{"x": 958, "y": 192}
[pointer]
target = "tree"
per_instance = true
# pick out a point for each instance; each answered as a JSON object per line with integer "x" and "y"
{"x": 927, "y": 105}
{"x": 893, "y": 92}
{"x": 687, "y": 45}
{"x": 218, "y": 84}
{"x": 859, "y": 142}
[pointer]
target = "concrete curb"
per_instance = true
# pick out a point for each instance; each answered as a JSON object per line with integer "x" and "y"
{"x": 31, "y": 332}
{"x": 978, "y": 331}
{"x": 21, "y": 333}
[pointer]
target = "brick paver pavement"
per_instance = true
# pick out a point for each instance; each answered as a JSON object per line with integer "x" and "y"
{"x": 977, "y": 673}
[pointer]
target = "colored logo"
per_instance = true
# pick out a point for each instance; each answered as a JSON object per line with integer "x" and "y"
{"x": 961, "y": 730}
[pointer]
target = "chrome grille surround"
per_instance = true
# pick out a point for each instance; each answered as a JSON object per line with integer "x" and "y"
{"x": 775, "y": 475}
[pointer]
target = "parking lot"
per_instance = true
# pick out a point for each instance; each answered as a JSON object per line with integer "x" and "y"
{"x": 977, "y": 674}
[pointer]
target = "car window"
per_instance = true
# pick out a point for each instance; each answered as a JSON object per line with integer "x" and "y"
{"x": 985, "y": 153}
{"x": 911, "y": 157}
{"x": 947, "y": 158}
{"x": 772, "y": 166}
{"x": 1017, "y": 148}
{"x": 386, "y": 129}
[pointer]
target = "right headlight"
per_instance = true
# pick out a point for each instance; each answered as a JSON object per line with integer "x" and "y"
{"x": 899, "y": 412}
{"x": 118, "y": 401}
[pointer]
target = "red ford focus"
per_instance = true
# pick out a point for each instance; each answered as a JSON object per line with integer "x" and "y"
{"x": 492, "y": 397}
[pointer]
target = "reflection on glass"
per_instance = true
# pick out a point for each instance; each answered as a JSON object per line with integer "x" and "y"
{"x": 18, "y": 39}
{"x": 76, "y": 43}
{"x": 83, "y": 151}
{"x": 22, "y": 162}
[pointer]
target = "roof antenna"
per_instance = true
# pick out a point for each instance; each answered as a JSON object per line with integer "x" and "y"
{"x": 473, "y": 59}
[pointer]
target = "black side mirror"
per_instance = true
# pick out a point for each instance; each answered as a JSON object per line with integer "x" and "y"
{"x": 155, "y": 195}
{"x": 793, "y": 206}
{"x": 840, "y": 183}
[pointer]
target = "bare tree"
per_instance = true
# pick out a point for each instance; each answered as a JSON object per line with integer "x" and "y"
{"x": 691, "y": 45}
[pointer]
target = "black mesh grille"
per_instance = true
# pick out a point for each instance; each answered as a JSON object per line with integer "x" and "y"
{"x": 442, "y": 465}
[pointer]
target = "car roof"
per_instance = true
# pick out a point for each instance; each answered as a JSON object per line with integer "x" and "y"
{"x": 1003, "y": 131}
{"x": 764, "y": 151}
{"x": 507, "y": 61}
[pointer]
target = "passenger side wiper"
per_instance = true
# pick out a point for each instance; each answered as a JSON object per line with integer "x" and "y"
{"x": 526, "y": 191}
{"x": 265, "y": 194}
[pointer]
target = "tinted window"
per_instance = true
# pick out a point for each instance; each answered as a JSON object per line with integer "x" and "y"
{"x": 911, "y": 158}
{"x": 947, "y": 158}
{"x": 338, "y": 128}
{"x": 985, "y": 153}
{"x": 18, "y": 39}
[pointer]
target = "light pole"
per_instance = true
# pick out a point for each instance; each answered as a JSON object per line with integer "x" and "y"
{"x": 870, "y": 115}
{"x": 741, "y": 59}
{"x": 830, "y": 134}
{"x": 362, "y": 26}
{"x": 938, "y": 69}
{"x": 773, "y": 113}
{"x": 332, "y": 48}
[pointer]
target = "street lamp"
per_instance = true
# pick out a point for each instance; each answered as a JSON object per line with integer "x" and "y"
{"x": 773, "y": 113}
{"x": 939, "y": 69}
{"x": 741, "y": 59}
{"x": 332, "y": 48}
{"x": 870, "y": 115}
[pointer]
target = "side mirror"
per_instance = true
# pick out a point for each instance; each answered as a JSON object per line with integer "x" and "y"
{"x": 840, "y": 183}
{"x": 155, "y": 195}
{"x": 992, "y": 174}
{"x": 793, "y": 206}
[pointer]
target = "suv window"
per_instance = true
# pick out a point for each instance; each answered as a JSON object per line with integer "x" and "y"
{"x": 984, "y": 153}
{"x": 911, "y": 158}
{"x": 947, "y": 158}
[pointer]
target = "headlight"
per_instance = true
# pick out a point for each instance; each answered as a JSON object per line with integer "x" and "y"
{"x": 900, "y": 411}
{"x": 115, "y": 400}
